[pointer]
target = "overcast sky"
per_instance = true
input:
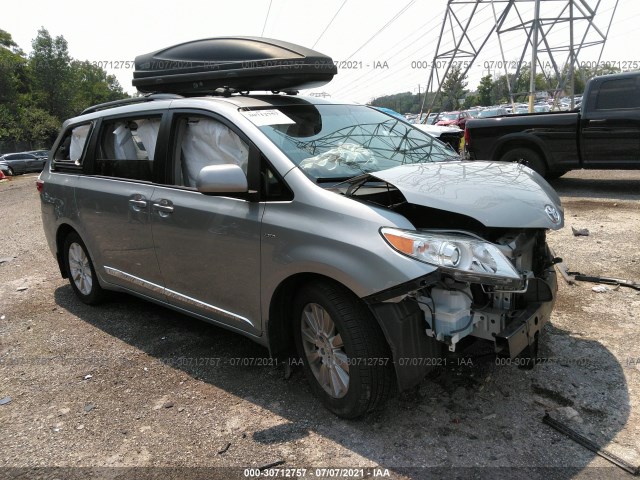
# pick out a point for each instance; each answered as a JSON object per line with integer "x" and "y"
{"x": 391, "y": 35}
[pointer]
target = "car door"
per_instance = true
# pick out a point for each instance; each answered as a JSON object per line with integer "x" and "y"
{"x": 610, "y": 125}
{"x": 32, "y": 163}
{"x": 114, "y": 202}
{"x": 17, "y": 163}
{"x": 208, "y": 247}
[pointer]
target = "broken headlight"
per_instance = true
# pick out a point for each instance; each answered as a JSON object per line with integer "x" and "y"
{"x": 466, "y": 259}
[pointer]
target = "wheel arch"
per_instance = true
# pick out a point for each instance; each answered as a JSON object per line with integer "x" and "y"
{"x": 279, "y": 327}
{"x": 61, "y": 233}
{"x": 401, "y": 325}
{"x": 519, "y": 140}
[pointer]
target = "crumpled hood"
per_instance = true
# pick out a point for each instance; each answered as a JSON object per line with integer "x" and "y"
{"x": 497, "y": 194}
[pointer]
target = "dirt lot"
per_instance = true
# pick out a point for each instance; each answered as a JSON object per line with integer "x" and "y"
{"x": 101, "y": 386}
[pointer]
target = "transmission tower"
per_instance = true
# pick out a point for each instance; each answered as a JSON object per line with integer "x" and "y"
{"x": 549, "y": 33}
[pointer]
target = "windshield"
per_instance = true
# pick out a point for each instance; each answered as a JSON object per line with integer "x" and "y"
{"x": 449, "y": 116}
{"x": 490, "y": 113}
{"x": 335, "y": 142}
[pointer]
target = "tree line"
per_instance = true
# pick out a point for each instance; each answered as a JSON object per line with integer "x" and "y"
{"x": 492, "y": 90}
{"x": 40, "y": 90}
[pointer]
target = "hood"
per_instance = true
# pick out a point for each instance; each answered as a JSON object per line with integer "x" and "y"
{"x": 445, "y": 123}
{"x": 497, "y": 194}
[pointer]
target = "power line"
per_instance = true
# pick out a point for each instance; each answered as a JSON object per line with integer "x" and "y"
{"x": 348, "y": 86}
{"x": 266, "y": 18}
{"x": 330, "y": 22}
{"x": 350, "y": 81}
{"x": 397, "y": 15}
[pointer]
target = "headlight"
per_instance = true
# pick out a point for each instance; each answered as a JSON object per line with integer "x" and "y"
{"x": 466, "y": 259}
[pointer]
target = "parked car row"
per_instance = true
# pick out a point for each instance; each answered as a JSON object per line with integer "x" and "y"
{"x": 603, "y": 133}
{"x": 23, "y": 162}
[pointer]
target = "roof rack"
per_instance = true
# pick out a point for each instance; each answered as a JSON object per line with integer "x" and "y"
{"x": 129, "y": 101}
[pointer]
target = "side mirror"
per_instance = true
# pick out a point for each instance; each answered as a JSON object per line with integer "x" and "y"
{"x": 222, "y": 179}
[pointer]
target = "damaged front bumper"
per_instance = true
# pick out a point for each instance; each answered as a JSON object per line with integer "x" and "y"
{"x": 417, "y": 348}
{"x": 525, "y": 326}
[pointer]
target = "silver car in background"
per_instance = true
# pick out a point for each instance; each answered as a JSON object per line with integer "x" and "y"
{"x": 19, "y": 163}
{"x": 331, "y": 232}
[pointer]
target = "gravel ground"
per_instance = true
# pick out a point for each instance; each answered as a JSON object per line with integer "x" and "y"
{"x": 101, "y": 387}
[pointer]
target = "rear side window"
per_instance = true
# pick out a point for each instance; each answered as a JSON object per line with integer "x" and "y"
{"x": 126, "y": 148}
{"x": 70, "y": 151}
{"x": 619, "y": 93}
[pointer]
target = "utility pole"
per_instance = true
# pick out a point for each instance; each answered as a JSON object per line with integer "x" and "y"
{"x": 534, "y": 56}
{"x": 571, "y": 56}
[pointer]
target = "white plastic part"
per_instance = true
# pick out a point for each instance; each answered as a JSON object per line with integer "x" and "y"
{"x": 452, "y": 309}
{"x": 207, "y": 142}
{"x": 78, "y": 139}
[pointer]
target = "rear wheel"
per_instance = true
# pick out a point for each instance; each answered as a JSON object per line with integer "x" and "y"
{"x": 345, "y": 355}
{"x": 82, "y": 275}
{"x": 527, "y": 157}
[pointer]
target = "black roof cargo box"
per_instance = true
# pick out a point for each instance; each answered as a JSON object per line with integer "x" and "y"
{"x": 241, "y": 63}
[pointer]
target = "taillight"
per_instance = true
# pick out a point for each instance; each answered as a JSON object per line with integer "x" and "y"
{"x": 39, "y": 185}
{"x": 467, "y": 137}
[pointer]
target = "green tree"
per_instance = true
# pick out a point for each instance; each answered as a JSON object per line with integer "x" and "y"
{"x": 453, "y": 88}
{"x": 484, "y": 92}
{"x": 405, "y": 102}
{"x": 6, "y": 40}
{"x": 92, "y": 85}
{"x": 39, "y": 91}
{"x": 13, "y": 71}
{"x": 470, "y": 101}
{"x": 521, "y": 87}
{"x": 51, "y": 74}
{"x": 36, "y": 127}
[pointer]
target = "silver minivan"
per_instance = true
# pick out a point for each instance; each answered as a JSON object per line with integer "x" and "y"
{"x": 333, "y": 233}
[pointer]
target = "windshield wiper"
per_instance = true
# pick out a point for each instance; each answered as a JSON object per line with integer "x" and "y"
{"x": 335, "y": 179}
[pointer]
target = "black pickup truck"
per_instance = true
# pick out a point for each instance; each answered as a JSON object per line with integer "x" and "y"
{"x": 603, "y": 133}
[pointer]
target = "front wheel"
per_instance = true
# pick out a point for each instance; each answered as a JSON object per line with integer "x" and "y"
{"x": 10, "y": 171}
{"x": 527, "y": 157}
{"x": 345, "y": 355}
{"x": 80, "y": 271}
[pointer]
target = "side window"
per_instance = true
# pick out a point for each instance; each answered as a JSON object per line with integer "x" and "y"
{"x": 619, "y": 93}
{"x": 202, "y": 141}
{"x": 126, "y": 148}
{"x": 72, "y": 145}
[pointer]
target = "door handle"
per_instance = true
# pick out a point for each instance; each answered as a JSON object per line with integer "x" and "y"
{"x": 138, "y": 205}
{"x": 164, "y": 207}
{"x": 599, "y": 121}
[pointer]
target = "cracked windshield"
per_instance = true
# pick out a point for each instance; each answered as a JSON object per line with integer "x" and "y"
{"x": 336, "y": 142}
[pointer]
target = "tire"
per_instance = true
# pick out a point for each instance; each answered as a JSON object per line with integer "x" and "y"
{"x": 346, "y": 358}
{"x": 10, "y": 170}
{"x": 555, "y": 175}
{"x": 80, "y": 271}
{"x": 527, "y": 157}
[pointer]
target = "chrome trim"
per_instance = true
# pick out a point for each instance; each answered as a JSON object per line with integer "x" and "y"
{"x": 174, "y": 295}
{"x": 135, "y": 280}
{"x": 211, "y": 308}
